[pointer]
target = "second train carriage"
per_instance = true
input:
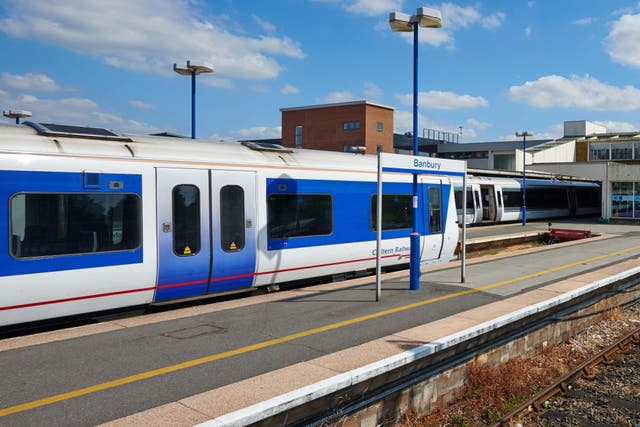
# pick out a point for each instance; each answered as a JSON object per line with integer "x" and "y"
{"x": 493, "y": 200}
{"x": 92, "y": 221}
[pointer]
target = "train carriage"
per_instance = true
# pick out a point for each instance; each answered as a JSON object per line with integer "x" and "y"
{"x": 93, "y": 221}
{"x": 495, "y": 200}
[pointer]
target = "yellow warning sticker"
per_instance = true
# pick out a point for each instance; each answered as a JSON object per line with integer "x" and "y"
{"x": 233, "y": 246}
{"x": 187, "y": 250}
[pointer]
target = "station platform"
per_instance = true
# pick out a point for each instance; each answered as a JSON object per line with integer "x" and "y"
{"x": 192, "y": 365}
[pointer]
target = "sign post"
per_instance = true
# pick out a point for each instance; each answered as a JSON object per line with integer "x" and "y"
{"x": 414, "y": 165}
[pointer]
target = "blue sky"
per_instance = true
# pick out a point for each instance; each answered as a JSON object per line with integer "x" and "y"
{"x": 494, "y": 68}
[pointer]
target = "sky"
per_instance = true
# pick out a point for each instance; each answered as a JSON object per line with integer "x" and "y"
{"x": 494, "y": 68}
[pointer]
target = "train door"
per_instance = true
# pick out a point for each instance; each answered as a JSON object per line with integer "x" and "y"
{"x": 233, "y": 230}
{"x": 499, "y": 204}
{"x": 184, "y": 250}
{"x": 488, "y": 203}
{"x": 433, "y": 216}
{"x": 477, "y": 204}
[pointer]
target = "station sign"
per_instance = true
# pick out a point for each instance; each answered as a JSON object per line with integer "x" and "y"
{"x": 421, "y": 165}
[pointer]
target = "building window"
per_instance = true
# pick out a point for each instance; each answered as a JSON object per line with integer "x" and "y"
{"x": 48, "y": 224}
{"x": 599, "y": 151}
{"x": 298, "y": 136}
{"x": 379, "y": 126}
{"x": 625, "y": 200}
{"x": 351, "y": 125}
{"x": 506, "y": 162}
{"x": 622, "y": 151}
{"x": 299, "y": 215}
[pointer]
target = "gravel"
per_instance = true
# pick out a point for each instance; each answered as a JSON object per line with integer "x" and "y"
{"x": 612, "y": 397}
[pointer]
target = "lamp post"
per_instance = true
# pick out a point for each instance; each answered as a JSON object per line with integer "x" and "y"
{"x": 524, "y": 135}
{"x": 402, "y": 22}
{"x": 17, "y": 114}
{"x": 193, "y": 70}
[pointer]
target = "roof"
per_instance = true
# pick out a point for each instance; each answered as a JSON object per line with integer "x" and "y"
{"x": 489, "y": 146}
{"x": 338, "y": 104}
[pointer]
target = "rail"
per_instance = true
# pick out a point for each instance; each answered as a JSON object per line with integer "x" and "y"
{"x": 562, "y": 385}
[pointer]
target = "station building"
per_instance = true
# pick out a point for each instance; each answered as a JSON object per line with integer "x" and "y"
{"x": 358, "y": 126}
{"x": 585, "y": 150}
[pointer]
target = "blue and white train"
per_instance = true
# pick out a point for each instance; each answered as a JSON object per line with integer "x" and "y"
{"x": 93, "y": 221}
{"x": 494, "y": 200}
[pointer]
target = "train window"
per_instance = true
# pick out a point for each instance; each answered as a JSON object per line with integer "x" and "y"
{"x": 397, "y": 211}
{"x": 458, "y": 196}
{"x": 232, "y": 218}
{"x": 512, "y": 198}
{"x": 588, "y": 197}
{"x": 547, "y": 198}
{"x": 298, "y": 215}
{"x": 435, "y": 223}
{"x": 186, "y": 219}
{"x": 74, "y": 223}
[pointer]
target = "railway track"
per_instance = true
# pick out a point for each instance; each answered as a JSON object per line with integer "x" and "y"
{"x": 603, "y": 390}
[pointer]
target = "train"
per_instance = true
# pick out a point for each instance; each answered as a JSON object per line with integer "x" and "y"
{"x": 496, "y": 199}
{"x": 93, "y": 221}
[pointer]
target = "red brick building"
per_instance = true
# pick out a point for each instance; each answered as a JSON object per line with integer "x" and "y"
{"x": 348, "y": 126}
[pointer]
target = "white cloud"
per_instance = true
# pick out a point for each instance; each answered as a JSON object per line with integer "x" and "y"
{"x": 441, "y": 100}
{"x": 477, "y": 124}
{"x": 585, "y": 21}
{"x": 623, "y": 42}
{"x": 528, "y": 31}
{"x": 625, "y": 10}
{"x": 339, "y": 96}
{"x": 615, "y": 126}
{"x": 493, "y": 21}
{"x": 289, "y": 90}
{"x": 35, "y": 82}
{"x": 266, "y": 26}
{"x": 147, "y": 35}
{"x": 372, "y": 91}
{"x": 373, "y": 7}
{"x": 141, "y": 105}
{"x": 81, "y": 111}
{"x": 258, "y": 132}
{"x": 576, "y": 92}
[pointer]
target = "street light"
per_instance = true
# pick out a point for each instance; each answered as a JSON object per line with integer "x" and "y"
{"x": 193, "y": 70}
{"x": 524, "y": 135}
{"x": 402, "y": 22}
{"x": 16, "y": 114}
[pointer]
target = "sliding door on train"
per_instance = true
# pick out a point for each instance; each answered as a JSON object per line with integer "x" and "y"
{"x": 233, "y": 203}
{"x": 206, "y": 236}
{"x": 433, "y": 220}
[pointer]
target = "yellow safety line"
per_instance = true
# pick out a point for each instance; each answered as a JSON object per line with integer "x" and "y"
{"x": 211, "y": 358}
